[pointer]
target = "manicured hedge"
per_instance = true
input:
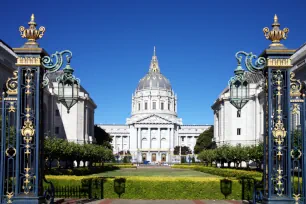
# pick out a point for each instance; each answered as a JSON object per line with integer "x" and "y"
{"x": 160, "y": 187}
{"x": 221, "y": 171}
{"x": 82, "y": 171}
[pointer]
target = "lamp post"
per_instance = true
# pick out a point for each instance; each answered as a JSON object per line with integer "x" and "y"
{"x": 283, "y": 96}
{"x": 22, "y": 157}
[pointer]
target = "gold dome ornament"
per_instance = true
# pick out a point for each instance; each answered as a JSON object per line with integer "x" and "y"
{"x": 276, "y": 34}
{"x": 32, "y": 34}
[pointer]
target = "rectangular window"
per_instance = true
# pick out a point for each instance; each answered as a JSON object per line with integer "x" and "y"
{"x": 168, "y": 106}
{"x": 238, "y": 131}
{"x": 238, "y": 114}
{"x": 182, "y": 139}
{"x": 138, "y": 106}
{"x": 56, "y": 130}
{"x": 146, "y": 106}
{"x": 57, "y": 113}
{"x": 154, "y": 105}
{"x": 162, "y": 106}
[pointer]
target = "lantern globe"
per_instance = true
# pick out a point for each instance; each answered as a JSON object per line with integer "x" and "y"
{"x": 68, "y": 88}
{"x": 239, "y": 89}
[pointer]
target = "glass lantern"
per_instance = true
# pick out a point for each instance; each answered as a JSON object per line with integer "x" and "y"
{"x": 239, "y": 89}
{"x": 68, "y": 87}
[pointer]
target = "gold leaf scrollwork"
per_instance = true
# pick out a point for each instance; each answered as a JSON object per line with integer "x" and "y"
{"x": 279, "y": 185}
{"x": 27, "y": 132}
{"x": 296, "y": 156}
{"x": 27, "y": 129}
{"x": 11, "y": 84}
{"x": 295, "y": 109}
{"x": 10, "y": 152}
{"x": 295, "y": 86}
{"x": 9, "y": 196}
{"x": 26, "y": 183}
{"x": 28, "y": 81}
{"x": 296, "y": 198}
{"x": 279, "y": 133}
{"x": 12, "y": 108}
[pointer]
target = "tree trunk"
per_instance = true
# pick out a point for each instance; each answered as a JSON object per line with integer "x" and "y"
{"x": 50, "y": 163}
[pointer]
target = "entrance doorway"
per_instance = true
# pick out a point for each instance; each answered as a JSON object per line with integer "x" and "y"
{"x": 163, "y": 159}
{"x": 144, "y": 157}
{"x": 153, "y": 157}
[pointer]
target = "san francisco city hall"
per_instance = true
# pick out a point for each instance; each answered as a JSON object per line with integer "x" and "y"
{"x": 154, "y": 128}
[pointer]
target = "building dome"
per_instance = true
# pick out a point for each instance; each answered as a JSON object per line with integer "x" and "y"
{"x": 154, "y": 79}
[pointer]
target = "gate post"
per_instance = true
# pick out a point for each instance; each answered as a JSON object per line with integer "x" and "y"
{"x": 283, "y": 152}
{"x": 29, "y": 143}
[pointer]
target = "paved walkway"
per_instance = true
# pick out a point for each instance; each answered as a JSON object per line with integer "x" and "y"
{"x": 126, "y": 201}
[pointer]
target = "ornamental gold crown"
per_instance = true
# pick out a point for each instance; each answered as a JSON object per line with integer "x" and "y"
{"x": 276, "y": 34}
{"x": 32, "y": 34}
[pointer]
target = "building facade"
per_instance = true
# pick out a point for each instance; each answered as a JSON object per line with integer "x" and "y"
{"x": 77, "y": 126}
{"x": 247, "y": 128}
{"x": 154, "y": 128}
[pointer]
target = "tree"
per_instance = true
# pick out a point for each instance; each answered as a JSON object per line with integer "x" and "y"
{"x": 184, "y": 150}
{"x": 205, "y": 141}
{"x": 102, "y": 137}
{"x": 256, "y": 154}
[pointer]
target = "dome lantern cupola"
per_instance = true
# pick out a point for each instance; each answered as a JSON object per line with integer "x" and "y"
{"x": 154, "y": 79}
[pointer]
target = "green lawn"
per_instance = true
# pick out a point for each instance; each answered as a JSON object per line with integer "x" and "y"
{"x": 162, "y": 172}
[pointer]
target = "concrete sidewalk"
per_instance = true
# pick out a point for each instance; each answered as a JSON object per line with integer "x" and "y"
{"x": 127, "y": 201}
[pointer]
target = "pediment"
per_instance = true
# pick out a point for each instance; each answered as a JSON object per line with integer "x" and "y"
{"x": 154, "y": 119}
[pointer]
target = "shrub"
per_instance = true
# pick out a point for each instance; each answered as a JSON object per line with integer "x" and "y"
{"x": 154, "y": 187}
{"x": 221, "y": 172}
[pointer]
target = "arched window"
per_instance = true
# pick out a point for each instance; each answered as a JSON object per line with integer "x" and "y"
{"x": 146, "y": 105}
{"x": 162, "y": 106}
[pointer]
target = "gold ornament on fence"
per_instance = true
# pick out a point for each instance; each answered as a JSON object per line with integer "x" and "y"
{"x": 31, "y": 33}
{"x": 276, "y": 34}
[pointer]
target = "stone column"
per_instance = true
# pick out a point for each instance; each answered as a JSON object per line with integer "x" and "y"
{"x": 149, "y": 136}
{"x": 159, "y": 137}
{"x": 175, "y": 138}
{"x": 85, "y": 136}
{"x": 170, "y": 138}
{"x": 122, "y": 146}
{"x": 138, "y": 136}
{"x": 115, "y": 136}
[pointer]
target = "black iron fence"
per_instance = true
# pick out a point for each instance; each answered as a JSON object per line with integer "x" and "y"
{"x": 71, "y": 192}
{"x": 92, "y": 188}
{"x": 251, "y": 190}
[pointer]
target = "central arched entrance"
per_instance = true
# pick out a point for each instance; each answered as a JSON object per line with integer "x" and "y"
{"x": 163, "y": 157}
{"x": 153, "y": 157}
{"x": 144, "y": 157}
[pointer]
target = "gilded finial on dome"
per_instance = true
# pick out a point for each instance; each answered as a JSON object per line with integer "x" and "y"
{"x": 276, "y": 34}
{"x": 31, "y": 33}
{"x": 154, "y": 63}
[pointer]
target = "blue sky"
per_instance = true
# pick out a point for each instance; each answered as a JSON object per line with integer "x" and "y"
{"x": 112, "y": 43}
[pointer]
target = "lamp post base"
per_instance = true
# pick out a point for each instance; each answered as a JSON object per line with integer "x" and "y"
{"x": 278, "y": 200}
